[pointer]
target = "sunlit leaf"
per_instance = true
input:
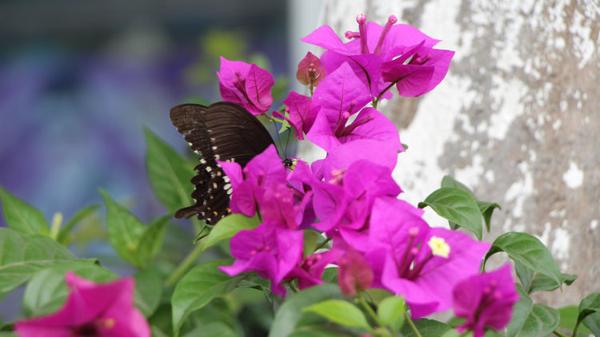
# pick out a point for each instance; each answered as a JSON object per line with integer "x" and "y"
{"x": 227, "y": 227}
{"x": 340, "y": 312}
{"x": 391, "y": 312}
{"x": 81, "y": 215}
{"x": 24, "y": 255}
{"x": 21, "y": 216}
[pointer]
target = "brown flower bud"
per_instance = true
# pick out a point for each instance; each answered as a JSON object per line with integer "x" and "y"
{"x": 310, "y": 71}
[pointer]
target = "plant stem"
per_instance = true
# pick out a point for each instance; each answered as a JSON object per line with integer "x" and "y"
{"x": 412, "y": 325}
{"x": 376, "y": 100}
{"x": 57, "y": 220}
{"x": 368, "y": 309}
{"x": 183, "y": 267}
{"x": 323, "y": 244}
{"x": 559, "y": 334}
{"x": 574, "y": 334}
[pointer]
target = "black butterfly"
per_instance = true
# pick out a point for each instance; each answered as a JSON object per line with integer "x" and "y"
{"x": 222, "y": 131}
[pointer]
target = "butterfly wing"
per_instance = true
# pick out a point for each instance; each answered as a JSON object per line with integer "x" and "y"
{"x": 221, "y": 131}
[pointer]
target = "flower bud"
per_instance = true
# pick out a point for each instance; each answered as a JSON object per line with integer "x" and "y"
{"x": 355, "y": 273}
{"x": 310, "y": 71}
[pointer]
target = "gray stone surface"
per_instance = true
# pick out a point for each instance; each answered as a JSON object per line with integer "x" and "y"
{"x": 517, "y": 118}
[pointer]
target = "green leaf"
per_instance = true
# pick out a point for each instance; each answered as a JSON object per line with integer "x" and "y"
{"x": 227, "y": 227}
{"x": 169, "y": 173}
{"x": 454, "y": 333}
{"x": 457, "y": 206}
{"x": 528, "y": 251}
{"x": 152, "y": 240}
{"x": 24, "y": 255}
{"x": 448, "y": 181}
{"x": 212, "y": 329}
{"x": 81, "y": 215}
{"x": 340, "y": 312}
{"x": 7, "y": 334}
{"x": 590, "y": 305}
{"x": 46, "y": 291}
{"x": 427, "y": 328}
{"x": 391, "y": 312}
{"x": 148, "y": 290}
{"x": 21, "y": 216}
{"x": 532, "y": 281}
{"x": 124, "y": 230}
{"x": 289, "y": 314}
{"x": 197, "y": 288}
{"x": 487, "y": 210}
{"x": 157, "y": 332}
{"x": 532, "y": 320}
{"x": 592, "y": 322}
{"x": 568, "y": 319}
{"x": 318, "y": 330}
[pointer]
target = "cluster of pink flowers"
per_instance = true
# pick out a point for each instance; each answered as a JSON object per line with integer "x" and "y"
{"x": 375, "y": 239}
{"x": 350, "y": 197}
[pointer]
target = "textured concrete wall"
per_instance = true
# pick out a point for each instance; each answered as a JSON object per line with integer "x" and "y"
{"x": 517, "y": 118}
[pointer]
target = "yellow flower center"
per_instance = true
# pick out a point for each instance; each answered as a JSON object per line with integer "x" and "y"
{"x": 439, "y": 247}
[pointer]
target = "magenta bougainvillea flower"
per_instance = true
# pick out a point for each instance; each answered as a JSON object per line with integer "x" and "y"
{"x": 100, "y": 310}
{"x": 340, "y": 158}
{"x": 418, "y": 70}
{"x": 282, "y": 206}
{"x": 344, "y": 200}
{"x": 420, "y": 263}
{"x": 270, "y": 251}
{"x": 486, "y": 300}
{"x": 246, "y": 84}
{"x": 368, "y": 124}
{"x": 388, "y": 41}
{"x": 301, "y": 113}
{"x": 309, "y": 271}
{"x": 341, "y": 93}
{"x": 248, "y": 184}
{"x": 367, "y": 67}
{"x": 310, "y": 71}
{"x": 373, "y": 55}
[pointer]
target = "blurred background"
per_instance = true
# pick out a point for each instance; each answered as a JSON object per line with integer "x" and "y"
{"x": 80, "y": 80}
{"x": 517, "y": 118}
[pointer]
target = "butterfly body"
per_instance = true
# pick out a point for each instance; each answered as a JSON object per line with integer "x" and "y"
{"x": 218, "y": 132}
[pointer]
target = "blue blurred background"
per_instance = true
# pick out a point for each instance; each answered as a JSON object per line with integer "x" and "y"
{"x": 79, "y": 80}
